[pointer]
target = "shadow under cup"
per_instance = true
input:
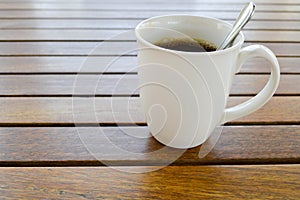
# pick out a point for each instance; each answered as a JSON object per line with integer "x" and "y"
{"x": 184, "y": 94}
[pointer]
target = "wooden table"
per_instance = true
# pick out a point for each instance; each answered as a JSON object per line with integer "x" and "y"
{"x": 52, "y": 106}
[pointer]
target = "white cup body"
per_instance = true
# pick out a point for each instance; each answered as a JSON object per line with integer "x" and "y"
{"x": 184, "y": 94}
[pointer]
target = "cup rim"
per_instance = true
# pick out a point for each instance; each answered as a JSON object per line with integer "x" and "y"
{"x": 223, "y": 51}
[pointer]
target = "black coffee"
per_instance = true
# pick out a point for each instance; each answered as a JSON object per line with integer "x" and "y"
{"x": 186, "y": 44}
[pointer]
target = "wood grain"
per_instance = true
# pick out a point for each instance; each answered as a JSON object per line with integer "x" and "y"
{"x": 271, "y": 2}
{"x": 56, "y": 85}
{"x": 88, "y": 35}
{"x": 138, "y": 14}
{"x": 105, "y": 48}
{"x": 123, "y": 24}
{"x": 193, "y": 182}
{"x": 116, "y": 64}
{"x": 44, "y": 43}
{"x": 70, "y": 146}
{"x": 65, "y": 64}
{"x": 204, "y": 6}
{"x": 122, "y": 110}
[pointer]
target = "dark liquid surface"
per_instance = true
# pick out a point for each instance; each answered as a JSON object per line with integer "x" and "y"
{"x": 186, "y": 44}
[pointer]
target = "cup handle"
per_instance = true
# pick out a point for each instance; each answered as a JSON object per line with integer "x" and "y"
{"x": 266, "y": 93}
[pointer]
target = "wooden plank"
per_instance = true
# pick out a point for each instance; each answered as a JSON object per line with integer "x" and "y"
{"x": 121, "y": 110}
{"x": 40, "y": 146}
{"x": 272, "y": 36}
{"x": 139, "y": 14}
{"x": 172, "y": 182}
{"x": 276, "y": 109}
{"x": 66, "y": 48}
{"x": 111, "y": 64}
{"x": 272, "y": 2}
{"x": 64, "y": 64}
{"x": 89, "y": 35}
{"x": 122, "y": 85}
{"x": 124, "y": 24}
{"x": 143, "y": 6}
{"x": 74, "y": 23}
{"x": 252, "y": 84}
{"x": 287, "y": 65}
{"x": 105, "y": 48}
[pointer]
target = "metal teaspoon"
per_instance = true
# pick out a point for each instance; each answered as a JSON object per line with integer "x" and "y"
{"x": 243, "y": 18}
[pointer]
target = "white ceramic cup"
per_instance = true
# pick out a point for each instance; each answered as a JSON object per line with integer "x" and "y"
{"x": 184, "y": 94}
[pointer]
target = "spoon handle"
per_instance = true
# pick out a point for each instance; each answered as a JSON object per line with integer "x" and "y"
{"x": 241, "y": 21}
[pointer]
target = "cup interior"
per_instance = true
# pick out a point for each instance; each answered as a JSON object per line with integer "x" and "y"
{"x": 184, "y": 26}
